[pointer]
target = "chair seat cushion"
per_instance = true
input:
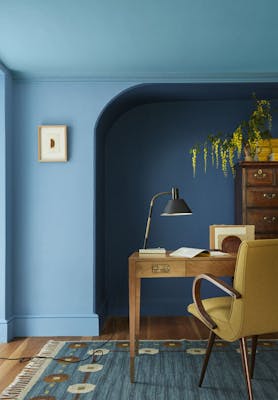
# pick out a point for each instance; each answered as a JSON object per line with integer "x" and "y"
{"x": 219, "y": 309}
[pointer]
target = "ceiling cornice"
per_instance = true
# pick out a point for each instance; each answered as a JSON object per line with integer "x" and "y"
{"x": 156, "y": 78}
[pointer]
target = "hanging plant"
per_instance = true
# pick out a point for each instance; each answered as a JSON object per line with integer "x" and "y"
{"x": 215, "y": 143}
{"x": 194, "y": 151}
{"x": 231, "y": 155}
{"x": 205, "y": 153}
{"x": 237, "y": 139}
{"x": 224, "y": 152}
{"x": 243, "y": 141}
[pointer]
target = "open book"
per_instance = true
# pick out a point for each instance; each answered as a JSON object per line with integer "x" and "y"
{"x": 191, "y": 252}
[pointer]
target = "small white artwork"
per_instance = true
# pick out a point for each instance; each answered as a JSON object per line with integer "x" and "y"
{"x": 52, "y": 143}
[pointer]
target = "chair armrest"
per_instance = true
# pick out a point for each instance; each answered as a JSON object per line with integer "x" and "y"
{"x": 197, "y": 296}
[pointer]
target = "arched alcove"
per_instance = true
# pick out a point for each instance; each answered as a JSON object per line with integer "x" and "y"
{"x": 142, "y": 140}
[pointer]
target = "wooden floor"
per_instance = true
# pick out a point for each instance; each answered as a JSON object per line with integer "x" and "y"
{"x": 114, "y": 328}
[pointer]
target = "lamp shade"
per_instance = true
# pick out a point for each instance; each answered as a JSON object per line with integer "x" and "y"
{"x": 176, "y": 207}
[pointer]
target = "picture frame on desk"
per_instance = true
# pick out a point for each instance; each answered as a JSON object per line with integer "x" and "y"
{"x": 218, "y": 233}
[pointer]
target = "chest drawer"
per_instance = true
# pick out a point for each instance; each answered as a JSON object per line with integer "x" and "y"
{"x": 265, "y": 220}
{"x": 149, "y": 269}
{"x": 260, "y": 176}
{"x": 262, "y": 197}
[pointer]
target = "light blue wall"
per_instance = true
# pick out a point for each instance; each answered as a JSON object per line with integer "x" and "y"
{"x": 53, "y": 205}
{"x": 2, "y": 200}
{"x": 5, "y": 205}
{"x": 9, "y": 192}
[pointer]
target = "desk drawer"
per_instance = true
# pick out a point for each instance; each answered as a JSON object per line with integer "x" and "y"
{"x": 217, "y": 267}
{"x": 160, "y": 269}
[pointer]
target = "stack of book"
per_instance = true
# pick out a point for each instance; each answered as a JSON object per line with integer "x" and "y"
{"x": 267, "y": 150}
{"x": 263, "y": 150}
{"x": 274, "y": 150}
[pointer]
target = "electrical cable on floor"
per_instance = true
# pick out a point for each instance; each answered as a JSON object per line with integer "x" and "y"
{"x": 96, "y": 354}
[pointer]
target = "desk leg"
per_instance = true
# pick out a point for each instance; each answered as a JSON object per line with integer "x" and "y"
{"x": 137, "y": 313}
{"x": 132, "y": 316}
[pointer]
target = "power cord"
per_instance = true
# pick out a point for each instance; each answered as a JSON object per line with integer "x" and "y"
{"x": 95, "y": 356}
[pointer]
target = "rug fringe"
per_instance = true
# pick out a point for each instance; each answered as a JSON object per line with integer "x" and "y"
{"x": 21, "y": 383}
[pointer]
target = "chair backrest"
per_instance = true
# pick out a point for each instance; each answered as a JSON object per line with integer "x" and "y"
{"x": 256, "y": 278}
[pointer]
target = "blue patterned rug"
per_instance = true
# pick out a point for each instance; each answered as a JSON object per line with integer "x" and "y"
{"x": 164, "y": 370}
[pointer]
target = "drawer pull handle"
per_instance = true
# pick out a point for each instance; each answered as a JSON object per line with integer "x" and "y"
{"x": 269, "y": 195}
{"x": 157, "y": 268}
{"x": 270, "y": 220}
{"x": 259, "y": 174}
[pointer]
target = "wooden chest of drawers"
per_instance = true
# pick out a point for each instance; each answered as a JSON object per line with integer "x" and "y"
{"x": 256, "y": 197}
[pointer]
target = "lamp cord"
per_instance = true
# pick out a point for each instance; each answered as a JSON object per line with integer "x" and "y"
{"x": 95, "y": 356}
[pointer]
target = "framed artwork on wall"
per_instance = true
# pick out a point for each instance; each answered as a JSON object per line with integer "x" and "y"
{"x": 52, "y": 143}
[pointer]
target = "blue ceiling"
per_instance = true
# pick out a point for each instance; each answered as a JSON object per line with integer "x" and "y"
{"x": 146, "y": 39}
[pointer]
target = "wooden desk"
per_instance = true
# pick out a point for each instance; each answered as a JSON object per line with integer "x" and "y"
{"x": 165, "y": 266}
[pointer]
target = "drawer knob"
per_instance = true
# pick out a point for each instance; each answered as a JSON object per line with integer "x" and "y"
{"x": 259, "y": 174}
{"x": 158, "y": 268}
{"x": 269, "y": 195}
{"x": 270, "y": 220}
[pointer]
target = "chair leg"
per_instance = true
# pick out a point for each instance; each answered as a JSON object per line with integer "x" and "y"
{"x": 253, "y": 355}
{"x": 206, "y": 360}
{"x": 244, "y": 358}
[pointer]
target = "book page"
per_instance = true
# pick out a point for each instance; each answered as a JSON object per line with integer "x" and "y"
{"x": 218, "y": 253}
{"x": 189, "y": 252}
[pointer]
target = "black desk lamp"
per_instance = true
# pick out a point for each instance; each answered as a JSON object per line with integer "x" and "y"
{"x": 175, "y": 206}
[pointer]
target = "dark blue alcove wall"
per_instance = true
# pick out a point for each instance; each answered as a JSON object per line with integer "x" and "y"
{"x": 146, "y": 150}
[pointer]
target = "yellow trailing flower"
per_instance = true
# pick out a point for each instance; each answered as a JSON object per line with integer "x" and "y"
{"x": 194, "y": 151}
{"x": 237, "y": 140}
{"x": 224, "y": 156}
{"x": 215, "y": 143}
{"x": 205, "y": 156}
{"x": 252, "y": 147}
{"x": 231, "y": 154}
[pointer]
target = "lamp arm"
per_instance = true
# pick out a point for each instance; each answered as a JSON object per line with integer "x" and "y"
{"x": 150, "y": 216}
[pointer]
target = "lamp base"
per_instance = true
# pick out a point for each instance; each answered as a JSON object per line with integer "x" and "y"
{"x": 157, "y": 250}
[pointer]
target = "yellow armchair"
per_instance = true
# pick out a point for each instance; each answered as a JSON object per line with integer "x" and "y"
{"x": 250, "y": 310}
